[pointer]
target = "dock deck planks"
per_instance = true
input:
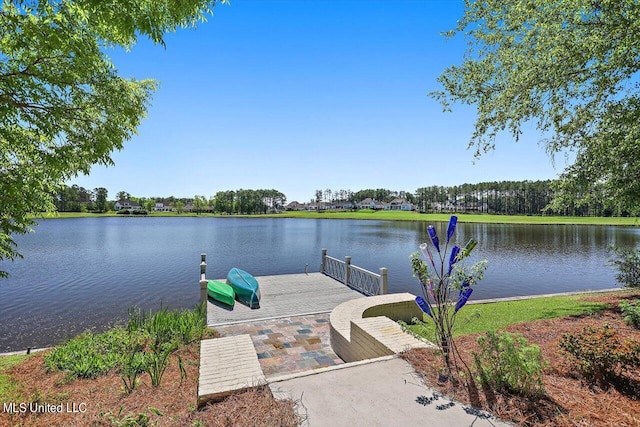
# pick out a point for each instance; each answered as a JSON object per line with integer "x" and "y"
{"x": 285, "y": 295}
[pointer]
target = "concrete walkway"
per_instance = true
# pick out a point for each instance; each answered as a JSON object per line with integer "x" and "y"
{"x": 227, "y": 365}
{"x": 385, "y": 392}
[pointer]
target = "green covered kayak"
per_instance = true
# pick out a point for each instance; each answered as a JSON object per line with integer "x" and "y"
{"x": 221, "y": 292}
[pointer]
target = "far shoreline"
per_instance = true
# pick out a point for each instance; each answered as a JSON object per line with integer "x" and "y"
{"x": 382, "y": 216}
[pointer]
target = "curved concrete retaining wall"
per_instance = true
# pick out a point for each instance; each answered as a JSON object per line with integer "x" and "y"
{"x": 366, "y": 328}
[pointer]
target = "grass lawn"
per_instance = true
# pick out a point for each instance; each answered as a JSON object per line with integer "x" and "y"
{"x": 8, "y": 387}
{"x": 478, "y": 218}
{"x": 387, "y": 216}
{"x": 480, "y": 318}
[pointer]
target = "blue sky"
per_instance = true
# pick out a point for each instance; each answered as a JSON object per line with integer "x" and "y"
{"x": 300, "y": 95}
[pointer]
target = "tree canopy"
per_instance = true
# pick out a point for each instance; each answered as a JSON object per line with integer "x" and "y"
{"x": 63, "y": 106}
{"x": 571, "y": 68}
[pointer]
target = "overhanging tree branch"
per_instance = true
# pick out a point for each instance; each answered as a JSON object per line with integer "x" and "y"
{"x": 560, "y": 64}
{"x": 63, "y": 108}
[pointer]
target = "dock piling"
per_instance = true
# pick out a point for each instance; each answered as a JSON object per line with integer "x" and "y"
{"x": 384, "y": 285}
{"x": 323, "y": 264}
{"x": 347, "y": 272}
{"x": 203, "y": 277}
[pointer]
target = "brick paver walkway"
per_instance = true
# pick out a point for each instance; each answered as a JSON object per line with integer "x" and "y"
{"x": 288, "y": 345}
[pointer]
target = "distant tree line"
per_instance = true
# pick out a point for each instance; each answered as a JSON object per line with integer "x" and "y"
{"x": 248, "y": 202}
{"x": 75, "y": 198}
{"x": 380, "y": 194}
{"x": 496, "y": 197}
{"x": 79, "y": 199}
{"x": 514, "y": 198}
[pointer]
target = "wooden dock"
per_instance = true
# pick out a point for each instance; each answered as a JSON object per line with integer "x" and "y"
{"x": 283, "y": 296}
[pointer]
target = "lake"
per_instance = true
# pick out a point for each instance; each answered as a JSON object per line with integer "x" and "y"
{"x": 83, "y": 273}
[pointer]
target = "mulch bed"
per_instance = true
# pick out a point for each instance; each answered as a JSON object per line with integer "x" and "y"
{"x": 171, "y": 404}
{"x": 569, "y": 401}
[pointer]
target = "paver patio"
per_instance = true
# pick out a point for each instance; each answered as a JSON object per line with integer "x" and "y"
{"x": 289, "y": 345}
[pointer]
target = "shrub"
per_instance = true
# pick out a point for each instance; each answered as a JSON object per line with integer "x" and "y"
{"x": 631, "y": 313}
{"x": 600, "y": 355}
{"x": 508, "y": 363}
{"x": 627, "y": 261}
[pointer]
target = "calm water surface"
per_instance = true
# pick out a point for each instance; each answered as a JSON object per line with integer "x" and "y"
{"x": 84, "y": 273}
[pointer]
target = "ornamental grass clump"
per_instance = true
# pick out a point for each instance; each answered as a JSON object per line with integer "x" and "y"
{"x": 168, "y": 330}
{"x": 447, "y": 284}
{"x": 164, "y": 326}
{"x": 131, "y": 366}
{"x": 157, "y": 361}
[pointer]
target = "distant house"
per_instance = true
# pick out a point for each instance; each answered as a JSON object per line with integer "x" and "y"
{"x": 320, "y": 206}
{"x": 446, "y": 206}
{"x": 399, "y": 204}
{"x": 127, "y": 204}
{"x": 367, "y": 203}
{"x": 163, "y": 207}
{"x": 370, "y": 203}
{"x": 345, "y": 204}
{"x": 474, "y": 206}
{"x": 295, "y": 206}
